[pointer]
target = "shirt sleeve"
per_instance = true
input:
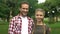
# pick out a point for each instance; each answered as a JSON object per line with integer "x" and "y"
{"x": 33, "y": 27}
{"x": 11, "y": 27}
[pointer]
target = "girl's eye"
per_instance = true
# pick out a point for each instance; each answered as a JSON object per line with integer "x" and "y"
{"x": 37, "y": 15}
{"x": 41, "y": 15}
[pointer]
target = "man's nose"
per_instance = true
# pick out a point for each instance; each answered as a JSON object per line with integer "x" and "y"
{"x": 25, "y": 10}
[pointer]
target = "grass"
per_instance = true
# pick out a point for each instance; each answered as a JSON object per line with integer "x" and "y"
{"x": 55, "y": 28}
{"x": 3, "y": 27}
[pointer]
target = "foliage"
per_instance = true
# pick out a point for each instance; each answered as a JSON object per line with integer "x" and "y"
{"x": 7, "y": 6}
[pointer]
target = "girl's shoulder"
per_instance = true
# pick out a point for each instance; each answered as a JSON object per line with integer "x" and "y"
{"x": 46, "y": 25}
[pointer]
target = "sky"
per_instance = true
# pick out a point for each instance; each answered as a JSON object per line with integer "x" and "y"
{"x": 41, "y": 1}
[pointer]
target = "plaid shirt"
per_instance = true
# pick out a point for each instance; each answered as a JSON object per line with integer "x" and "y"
{"x": 16, "y": 25}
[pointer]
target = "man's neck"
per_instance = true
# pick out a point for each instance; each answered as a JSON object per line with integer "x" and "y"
{"x": 22, "y": 15}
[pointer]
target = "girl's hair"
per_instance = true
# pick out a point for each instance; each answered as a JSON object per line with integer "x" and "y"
{"x": 35, "y": 23}
{"x": 41, "y": 10}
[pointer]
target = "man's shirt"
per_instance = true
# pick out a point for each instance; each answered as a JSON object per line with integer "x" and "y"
{"x": 24, "y": 25}
{"x": 16, "y": 25}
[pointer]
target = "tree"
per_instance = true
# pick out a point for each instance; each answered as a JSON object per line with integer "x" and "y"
{"x": 4, "y": 10}
{"x": 50, "y": 6}
{"x": 9, "y": 8}
{"x": 53, "y": 5}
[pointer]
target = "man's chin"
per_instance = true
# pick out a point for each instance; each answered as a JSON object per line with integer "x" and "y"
{"x": 24, "y": 15}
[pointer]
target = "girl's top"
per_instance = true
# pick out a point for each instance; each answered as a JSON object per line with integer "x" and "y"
{"x": 41, "y": 29}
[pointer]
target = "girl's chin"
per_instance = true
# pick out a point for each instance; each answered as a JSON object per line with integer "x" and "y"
{"x": 39, "y": 20}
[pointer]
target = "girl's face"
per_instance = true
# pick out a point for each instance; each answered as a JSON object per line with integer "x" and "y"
{"x": 39, "y": 16}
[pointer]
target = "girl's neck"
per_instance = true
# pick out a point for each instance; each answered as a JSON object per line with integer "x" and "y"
{"x": 40, "y": 23}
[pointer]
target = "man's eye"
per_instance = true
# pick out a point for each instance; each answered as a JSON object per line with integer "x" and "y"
{"x": 25, "y": 8}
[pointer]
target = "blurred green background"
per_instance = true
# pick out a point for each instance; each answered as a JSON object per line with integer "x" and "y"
{"x": 9, "y": 9}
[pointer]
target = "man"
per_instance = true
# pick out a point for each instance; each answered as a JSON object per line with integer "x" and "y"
{"x": 21, "y": 24}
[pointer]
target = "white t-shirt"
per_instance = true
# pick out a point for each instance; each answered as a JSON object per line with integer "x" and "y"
{"x": 24, "y": 25}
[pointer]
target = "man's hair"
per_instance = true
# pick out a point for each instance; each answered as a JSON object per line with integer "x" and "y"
{"x": 41, "y": 10}
{"x": 24, "y": 2}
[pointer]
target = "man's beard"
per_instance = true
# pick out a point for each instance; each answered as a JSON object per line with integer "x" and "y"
{"x": 24, "y": 15}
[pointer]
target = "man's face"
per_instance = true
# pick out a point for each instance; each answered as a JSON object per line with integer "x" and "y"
{"x": 24, "y": 9}
{"x": 39, "y": 16}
